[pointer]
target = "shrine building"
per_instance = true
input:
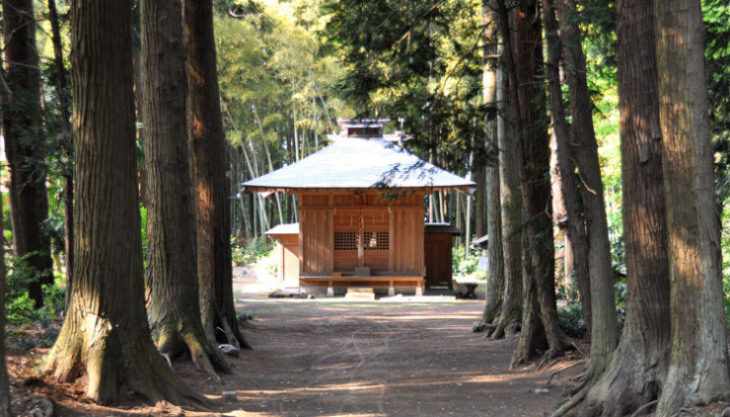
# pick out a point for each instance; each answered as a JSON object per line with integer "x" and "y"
{"x": 362, "y": 216}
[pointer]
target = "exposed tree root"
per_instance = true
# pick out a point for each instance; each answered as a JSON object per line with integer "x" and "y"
{"x": 570, "y": 404}
{"x": 532, "y": 339}
{"x": 550, "y": 357}
{"x": 644, "y": 407}
{"x": 579, "y": 392}
{"x": 484, "y": 328}
{"x": 632, "y": 380}
{"x": 119, "y": 364}
{"x": 183, "y": 337}
{"x": 233, "y": 337}
{"x": 558, "y": 372}
{"x": 508, "y": 324}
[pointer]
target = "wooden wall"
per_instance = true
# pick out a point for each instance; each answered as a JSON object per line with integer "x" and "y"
{"x": 322, "y": 214}
{"x": 408, "y": 229}
{"x": 438, "y": 254}
{"x": 315, "y": 236}
{"x": 289, "y": 273}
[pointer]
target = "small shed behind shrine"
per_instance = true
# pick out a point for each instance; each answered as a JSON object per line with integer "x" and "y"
{"x": 361, "y": 215}
{"x": 439, "y": 241}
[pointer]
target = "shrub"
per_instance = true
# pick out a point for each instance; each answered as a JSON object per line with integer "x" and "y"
{"x": 19, "y": 307}
{"x": 571, "y": 320}
{"x": 250, "y": 252}
{"x": 465, "y": 262}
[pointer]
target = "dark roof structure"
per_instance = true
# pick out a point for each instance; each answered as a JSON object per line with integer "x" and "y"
{"x": 482, "y": 241}
{"x": 359, "y": 163}
{"x": 442, "y": 228}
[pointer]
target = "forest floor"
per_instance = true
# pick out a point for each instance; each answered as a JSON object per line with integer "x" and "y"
{"x": 336, "y": 357}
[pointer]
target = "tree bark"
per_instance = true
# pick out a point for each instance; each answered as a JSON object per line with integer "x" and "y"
{"x": 604, "y": 327}
{"x": 639, "y": 366}
{"x": 479, "y": 197}
{"x": 571, "y": 221}
{"x": 25, "y": 143}
{"x": 533, "y": 158}
{"x": 68, "y": 144}
{"x": 510, "y": 318}
{"x": 173, "y": 306}
{"x": 105, "y": 337}
{"x": 209, "y": 163}
{"x": 4, "y": 379}
{"x": 495, "y": 270}
{"x": 698, "y": 367}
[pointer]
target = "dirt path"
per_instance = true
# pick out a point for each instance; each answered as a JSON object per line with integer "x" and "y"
{"x": 331, "y": 357}
{"x": 323, "y": 358}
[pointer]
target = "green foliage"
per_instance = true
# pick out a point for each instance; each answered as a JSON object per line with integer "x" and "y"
{"x": 618, "y": 257}
{"x": 276, "y": 78}
{"x": 717, "y": 51}
{"x": 621, "y": 291}
{"x": 571, "y": 320}
{"x": 19, "y": 307}
{"x": 252, "y": 251}
{"x": 464, "y": 262}
{"x": 7, "y": 221}
{"x": 421, "y": 61}
{"x": 716, "y": 15}
{"x": 726, "y": 261}
{"x": 571, "y": 316}
{"x": 143, "y": 231}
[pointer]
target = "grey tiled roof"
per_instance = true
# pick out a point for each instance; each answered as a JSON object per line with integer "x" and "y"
{"x": 284, "y": 229}
{"x": 358, "y": 163}
{"x": 293, "y": 229}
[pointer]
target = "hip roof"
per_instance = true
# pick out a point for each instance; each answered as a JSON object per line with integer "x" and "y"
{"x": 352, "y": 163}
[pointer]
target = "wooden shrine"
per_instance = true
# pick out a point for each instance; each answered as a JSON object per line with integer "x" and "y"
{"x": 361, "y": 216}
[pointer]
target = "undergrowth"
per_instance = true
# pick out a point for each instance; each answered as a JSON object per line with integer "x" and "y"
{"x": 464, "y": 262}
{"x": 251, "y": 251}
{"x": 19, "y": 307}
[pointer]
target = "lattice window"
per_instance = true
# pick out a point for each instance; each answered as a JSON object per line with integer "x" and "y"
{"x": 345, "y": 241}
{"x": 374, "y": 241}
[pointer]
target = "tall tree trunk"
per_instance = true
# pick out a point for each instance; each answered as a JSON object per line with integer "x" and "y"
{"x": 571, "y": 221}
{"x": 4, "y": 379}
{"x": 25, "y": 143}
{"x": 570, "y": 281}
{"x": 698, "y": 367}
{"x": 604, "y": 328}
{"x": 480, "y": 178}
{"x": 172, "y": 281}
{"x": 639, "y": 366}
{"x": 105, "y": 337}
{"x": 65, "y": 105}
{"x": 533, "y": 158}
{"x": 207, "y": 145}
{"x": 137, "y": 76}
{"x": 495, "y": 271}
{"x": 510, "y": 318}
{"x": 470, "y": 202}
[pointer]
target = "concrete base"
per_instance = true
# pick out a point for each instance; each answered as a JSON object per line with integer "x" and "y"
{"x": 379, "y": 290}
{"x": 360, "y": 293}
{"x": 362, "y": 271}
